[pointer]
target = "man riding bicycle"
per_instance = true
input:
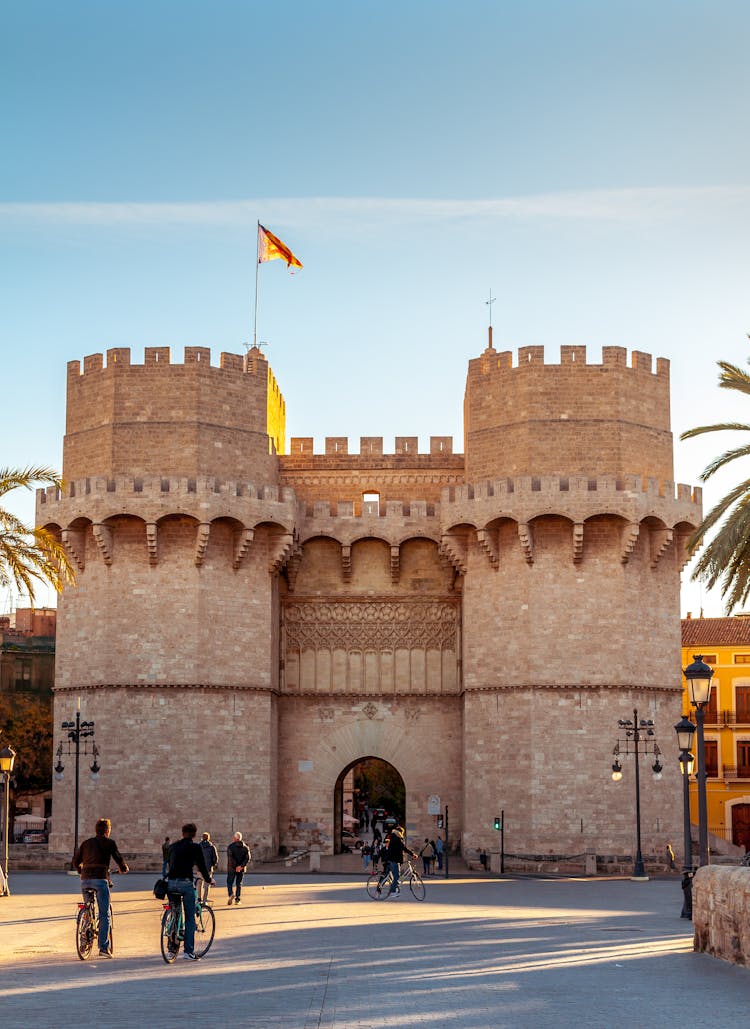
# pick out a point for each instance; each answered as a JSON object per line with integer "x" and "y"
{"x": 183, "y": 855}
{"x": 91, "y": 860}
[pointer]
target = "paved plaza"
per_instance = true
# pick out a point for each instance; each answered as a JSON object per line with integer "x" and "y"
{"x": 306, "y": 952}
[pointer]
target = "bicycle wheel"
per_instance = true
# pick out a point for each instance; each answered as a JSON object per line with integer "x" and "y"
{"x": 170, "y": 942}
{"x": 372, "y": 885}
{"x": 85, "y": 933}
{"x": 417, "y": 886}
{"x": 384, "y": 887}
{"x": 205, "y": 927}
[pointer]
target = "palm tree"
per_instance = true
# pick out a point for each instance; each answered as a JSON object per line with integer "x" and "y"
{"x": 30, "y": 556}
{"x": 727, "y": 557}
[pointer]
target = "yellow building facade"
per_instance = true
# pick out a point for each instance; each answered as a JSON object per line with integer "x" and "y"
{"x": 724, "y": 644}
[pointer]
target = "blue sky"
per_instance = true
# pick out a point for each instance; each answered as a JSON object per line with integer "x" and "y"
{"x": 586, "y": 161}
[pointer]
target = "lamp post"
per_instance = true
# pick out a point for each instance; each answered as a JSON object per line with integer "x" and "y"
{"x": 77, "y": 731}
{"x": 685, "y": 730}
{"x": 699, "y": 676}
{"x": 7, "y": 759}
{"x": 637, "y": 741}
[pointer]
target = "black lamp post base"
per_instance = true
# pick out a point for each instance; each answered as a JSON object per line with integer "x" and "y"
{"x": 687, "y": 895}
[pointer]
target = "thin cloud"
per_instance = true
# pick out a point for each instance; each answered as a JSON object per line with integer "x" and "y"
{"x": 646, "y": 205}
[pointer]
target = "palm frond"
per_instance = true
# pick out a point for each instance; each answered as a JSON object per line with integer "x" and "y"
{"x": 29, "y": 557}
{"x": 719, "y": 427}
{"x": 733, "y": 377}
{"x": 724, "y": 459}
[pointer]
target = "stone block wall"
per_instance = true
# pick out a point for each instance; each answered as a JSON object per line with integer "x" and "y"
{"x": 721, "y": 912}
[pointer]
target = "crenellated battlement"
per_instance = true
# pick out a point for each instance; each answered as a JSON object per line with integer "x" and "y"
{"x": 118, "y": 358}
{"x": 160, "y": 418}
{"x": 554, "y": 485}
{"x": 567, "y": 418}
{"x": 612, "y": 357}
{"x": 371, "y": 447}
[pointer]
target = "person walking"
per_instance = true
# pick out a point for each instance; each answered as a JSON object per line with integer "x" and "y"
{"x": 394, "y": 855}
{"x": 439, "y": 852}
{"x": 427, "y": 853}
{"x": 165, "y": 857}
{"x": 238, "y": 857}
{"x": 91, "y": 860}
{"x": 184, "y": 855}
{"x": 211, "y": 857}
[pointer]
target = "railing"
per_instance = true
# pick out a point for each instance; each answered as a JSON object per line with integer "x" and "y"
{"x": 736, "y": 772}
{"x": 724, "y": 718}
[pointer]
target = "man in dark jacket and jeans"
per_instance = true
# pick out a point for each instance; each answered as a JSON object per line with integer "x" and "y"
{"x": 91, "y": 860}
{"x": 238, "y": 857}
{"x": 183, "y": 856}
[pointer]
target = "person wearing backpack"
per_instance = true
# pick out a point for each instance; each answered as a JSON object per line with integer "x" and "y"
{"x": 238, "y": 857}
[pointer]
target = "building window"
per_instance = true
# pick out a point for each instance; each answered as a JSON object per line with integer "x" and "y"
{"x": 371, "y": 503}
{"x": 743, "y": 759}
{"x": 23, "y": 673}
{"x": 742, "y": 659}
{"x": 742, "y": 703}
{"x": 711, "y": 710}
{"x": 712, "y": 759}
{"x": 710, "y": 659}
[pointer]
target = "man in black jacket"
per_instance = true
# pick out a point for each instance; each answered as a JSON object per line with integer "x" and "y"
{"x": 238, "y": 856}
{"x": 183, "y": 856}
{"x": 92, "y": 863}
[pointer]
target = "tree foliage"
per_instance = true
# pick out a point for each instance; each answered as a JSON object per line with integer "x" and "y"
{"x": 30, "y": 556}
{"x": 26, "y": 725}
{"x": 726, "y": 557}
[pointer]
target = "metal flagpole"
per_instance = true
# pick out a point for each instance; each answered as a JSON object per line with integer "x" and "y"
{"x": 257, "y": 266}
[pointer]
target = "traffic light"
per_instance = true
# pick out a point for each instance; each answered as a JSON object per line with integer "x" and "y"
{"x": 497, "y": 822}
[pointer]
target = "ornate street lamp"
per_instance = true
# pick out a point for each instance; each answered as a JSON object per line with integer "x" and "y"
{"x": 699, "y": 676}
{"x": 7, "y": 760}
{"x": 77, "y": 731}
{"x": 685, "y": 730}
{"x": 638, "y": 733}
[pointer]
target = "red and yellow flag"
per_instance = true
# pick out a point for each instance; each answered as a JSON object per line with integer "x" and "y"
{"x": 270, "y": 247}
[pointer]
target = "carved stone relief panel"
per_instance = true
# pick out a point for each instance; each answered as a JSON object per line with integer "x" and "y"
{"x": 372, "y": 646}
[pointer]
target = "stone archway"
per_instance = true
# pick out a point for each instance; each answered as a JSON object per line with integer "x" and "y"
{"x": 370, "y": 780}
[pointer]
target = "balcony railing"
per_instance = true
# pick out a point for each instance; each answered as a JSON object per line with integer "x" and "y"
{"x": 736, "y": 772}
{"x": 725, "y": 718}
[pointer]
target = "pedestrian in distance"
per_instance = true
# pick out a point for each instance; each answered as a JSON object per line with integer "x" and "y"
{"x": 165, "y": 857}
{"x": 211, "y": 857}
{"x": 366, "y": 855}
{"x": 238, "y": 858}
{"x": 184, "y": 855}
{"x": 91, "y": 861}
{"x": 439, "y": 852}
{"x": 427, "y": 853}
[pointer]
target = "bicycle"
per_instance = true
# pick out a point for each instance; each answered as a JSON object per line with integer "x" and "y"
{"x": 380, "y": 884}
{"x": 87, "y": 925}
{"x": 173, "y": 926}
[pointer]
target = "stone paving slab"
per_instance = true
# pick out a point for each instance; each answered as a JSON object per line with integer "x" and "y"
{"x": 314, "y": 952}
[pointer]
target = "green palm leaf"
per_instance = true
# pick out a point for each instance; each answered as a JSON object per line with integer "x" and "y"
{"x": 29, "y": 557}
{"x": 725, "y": 559}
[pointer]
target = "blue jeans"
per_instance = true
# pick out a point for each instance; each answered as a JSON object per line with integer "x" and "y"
{"x": 394, "y": 868}
{"x": 186, "y": 891}
{"x": 233, "y": 876}
{"x": 101, "y": 889}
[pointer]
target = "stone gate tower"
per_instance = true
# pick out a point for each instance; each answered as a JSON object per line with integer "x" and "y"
{"x": 249, "y": 623}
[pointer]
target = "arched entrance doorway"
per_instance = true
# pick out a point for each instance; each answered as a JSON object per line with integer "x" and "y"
{"x": 367, "y": 782}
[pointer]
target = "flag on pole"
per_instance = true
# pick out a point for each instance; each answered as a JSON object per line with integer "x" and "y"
{"x": 270, "y": 247}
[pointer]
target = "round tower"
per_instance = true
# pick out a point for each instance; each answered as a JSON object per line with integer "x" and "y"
{"x": 175, "y": 521}
{"x": 569, "y": 536}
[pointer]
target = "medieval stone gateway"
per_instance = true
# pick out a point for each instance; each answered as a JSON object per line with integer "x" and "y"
{"x": 250, "y": 620}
